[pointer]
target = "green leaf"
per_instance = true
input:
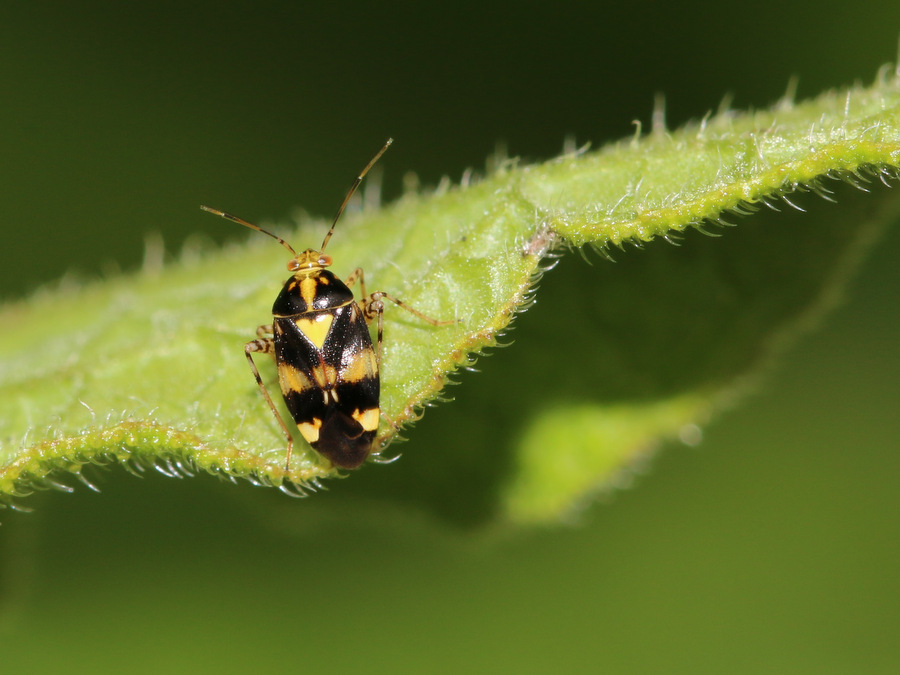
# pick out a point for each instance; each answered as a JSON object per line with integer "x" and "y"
{"x": 147, "y": 369}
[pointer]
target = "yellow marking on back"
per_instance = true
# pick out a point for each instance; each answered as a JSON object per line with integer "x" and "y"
{"x": 368, "y": 419}
{"x": 292, "y": 379}
{"x": 325, "y": 376}
{"x": 316, "y": 328}
{"x": 310, "y": 430}
{"x": 363, "y": 366}
{"x": 308, "y": 290}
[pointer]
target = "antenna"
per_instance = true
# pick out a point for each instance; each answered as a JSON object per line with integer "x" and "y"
{"x": 241, "y": 221}
{"x": 343, "y": 205}
{"x": 340, "y": 211}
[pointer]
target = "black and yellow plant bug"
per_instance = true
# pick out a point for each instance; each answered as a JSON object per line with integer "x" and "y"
{"x": 327, "y": 367}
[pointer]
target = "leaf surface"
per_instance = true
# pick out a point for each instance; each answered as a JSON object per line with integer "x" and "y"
{"x": 148, "y": 370}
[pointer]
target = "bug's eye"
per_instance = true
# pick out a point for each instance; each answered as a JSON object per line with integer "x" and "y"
{"x": 293, "y": 265}
{"x": 324, "y": 260}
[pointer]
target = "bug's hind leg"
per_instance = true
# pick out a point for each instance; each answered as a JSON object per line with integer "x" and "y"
{"x": 265, "y": 345}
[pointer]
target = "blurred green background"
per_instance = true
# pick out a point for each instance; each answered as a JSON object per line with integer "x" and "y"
{"x": 772, "y": 546}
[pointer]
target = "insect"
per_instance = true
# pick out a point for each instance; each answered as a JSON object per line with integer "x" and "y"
{"x": 328, "y": 369}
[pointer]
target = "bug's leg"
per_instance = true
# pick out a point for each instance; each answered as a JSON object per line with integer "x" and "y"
{"x": 264, "y": 345}
{"x": 263, "y": 331}
{"x": 376, "y": 306}
{"x": 370, "y": 308}
{"x": 357, "y": 274}
{"x": 375, "y": 299}
{"x": 372, "y": 304}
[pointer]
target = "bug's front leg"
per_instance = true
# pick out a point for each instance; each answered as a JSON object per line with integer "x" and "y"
{"x": 357, "y": 274}
{"x": 372, "y": 305}
{"x": 266, "y": 345}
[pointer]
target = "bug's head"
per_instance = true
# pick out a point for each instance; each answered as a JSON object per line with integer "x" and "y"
{"x": 310, "y": 259}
